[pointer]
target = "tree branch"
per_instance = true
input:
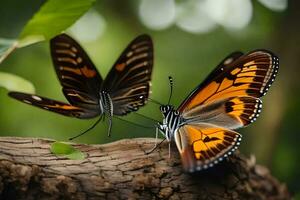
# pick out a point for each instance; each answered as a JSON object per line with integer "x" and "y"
{"x": 122, "y": 170}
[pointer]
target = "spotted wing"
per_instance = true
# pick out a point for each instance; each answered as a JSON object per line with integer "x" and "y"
{"x": 248, "y": 75}
{"x": 52, "y": 105}
{"x": 231, "y": 113}
{"x": 128, "y": 82}
{"x": 77, "y": 74}
{"x": 204, "y": 145}
{"x": 221, "y": 66}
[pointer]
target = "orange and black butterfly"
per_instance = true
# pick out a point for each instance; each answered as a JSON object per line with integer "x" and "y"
{"x": 229, "y": 98}
{"x": 125, "y": 89}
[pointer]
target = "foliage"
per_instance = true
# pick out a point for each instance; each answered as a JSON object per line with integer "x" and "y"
{"x": 15, "y": 83}
{"x": 66, "y": 150}
{"x": 54, "y": 17}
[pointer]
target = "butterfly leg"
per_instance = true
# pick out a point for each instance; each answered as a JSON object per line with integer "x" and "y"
{"x": 156, "y": 136}
{"x": 155, "y": 145}
{"x": 169, "y": 149}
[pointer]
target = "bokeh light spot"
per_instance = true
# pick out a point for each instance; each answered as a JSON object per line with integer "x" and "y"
{"x": 157, "y": 14}
{"x": 192, "y": 17}
{"x": 276, "y": 5}
{"x": 232, "y": 14}
{"x": 89, "y": 27}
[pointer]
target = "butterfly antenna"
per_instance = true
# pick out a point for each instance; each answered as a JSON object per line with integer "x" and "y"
{"x": 171, "y": 88}
{"x": 155, "y": 101}
{"x": 146, "y": 117}
{"x": 90, "y": 128}
{"x": 136, "y": 124}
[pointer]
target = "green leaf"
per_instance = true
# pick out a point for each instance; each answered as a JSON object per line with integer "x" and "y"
{"x": 66, "y": 150}
{"x": 54, "y": 17}
{"x": 15, "y": 83}
{"x": 6, "y": 47}
{"x": 4, "y": 43}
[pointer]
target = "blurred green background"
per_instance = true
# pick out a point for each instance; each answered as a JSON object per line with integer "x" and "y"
{"x": 190, "y": 39}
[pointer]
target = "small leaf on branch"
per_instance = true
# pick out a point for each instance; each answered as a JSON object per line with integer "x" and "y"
{"x": 66, "y": 150}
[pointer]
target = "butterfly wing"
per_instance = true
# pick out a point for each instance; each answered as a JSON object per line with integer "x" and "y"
{"x": 77, "y": 74}
{"x": 231, "y": 113}
{"x": 221, "y": 66}
{"x": 203, "y": 145}
{"x": 128, "y": 82}
{"x": 248, "y": 75}
{"x": 52, "y": 105}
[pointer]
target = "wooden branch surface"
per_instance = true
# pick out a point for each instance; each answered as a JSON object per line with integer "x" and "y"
{"x": 122, "y": 170}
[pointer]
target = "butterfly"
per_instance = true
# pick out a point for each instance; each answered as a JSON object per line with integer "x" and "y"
{"x": 125, "y": 89}
{"x": 229, "y": 98}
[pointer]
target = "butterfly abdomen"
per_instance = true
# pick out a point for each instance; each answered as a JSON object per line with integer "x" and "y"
{"x": 105, "y": 102}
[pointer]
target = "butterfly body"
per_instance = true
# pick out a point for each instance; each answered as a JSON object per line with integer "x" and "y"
{"x": 171, "y": 122}
{"x": 229, "y": 98}
{"x": 106, "y": 104}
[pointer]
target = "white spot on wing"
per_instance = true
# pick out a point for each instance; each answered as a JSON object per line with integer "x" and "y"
{"x": 228, "y": 60}
{"x": 26, "y": 101}
{"x": 36, "y": 98}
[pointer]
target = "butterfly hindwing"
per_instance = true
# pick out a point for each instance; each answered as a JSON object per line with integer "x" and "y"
{"x": 76, "y": 72}
{"x": 82, "y": 99}
{"x": 203, "y": 145}
{"x": 53, "y": 105}
{"x": 128, "y": 82}
{"x": 231, "y": 113}
{"x": 248, "y": 75}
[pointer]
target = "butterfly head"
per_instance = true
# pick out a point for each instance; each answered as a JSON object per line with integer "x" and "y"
{"x": 165, "y": 109}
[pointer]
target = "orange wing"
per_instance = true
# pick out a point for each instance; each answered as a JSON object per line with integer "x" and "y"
{"x": 76, "y": 72}
{"x": 231, "y": 113}
{"x": 246, "y": 75}
{"x": 203, "y": 145}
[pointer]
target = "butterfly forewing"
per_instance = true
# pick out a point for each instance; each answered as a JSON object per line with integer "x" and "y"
{"x": 226, "y": 62}
{"x": 128, "y": 82}
{"x": 53, "y": 105}
{"x": 75, "y": 71}
{"x": 248, "y": 75}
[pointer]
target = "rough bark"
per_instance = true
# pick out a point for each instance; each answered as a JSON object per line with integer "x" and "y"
{"x": 122, "y": 170}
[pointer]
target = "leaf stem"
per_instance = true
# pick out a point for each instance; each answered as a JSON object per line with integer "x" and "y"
{"x": 8, "y": 51}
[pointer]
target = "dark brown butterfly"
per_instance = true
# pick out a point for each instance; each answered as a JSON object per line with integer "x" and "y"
{"x": 125, "y": 89}
{"x": 229, "y": 98}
